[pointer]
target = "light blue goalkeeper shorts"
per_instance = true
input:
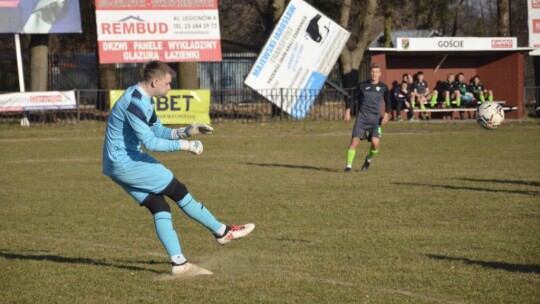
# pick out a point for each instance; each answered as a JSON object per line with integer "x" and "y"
{"x": 144, "y": 177}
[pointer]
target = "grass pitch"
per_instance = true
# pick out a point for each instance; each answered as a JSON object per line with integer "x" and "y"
{"x": 447, "y": 213}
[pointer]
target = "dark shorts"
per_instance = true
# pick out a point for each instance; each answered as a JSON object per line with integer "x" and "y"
{"x": 366, "y": 131}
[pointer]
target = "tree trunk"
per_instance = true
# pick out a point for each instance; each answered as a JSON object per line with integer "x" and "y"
{"x": 187, "y": 76}
{"x": 39, "y": 62}
{"x": 107, "y": 81}
{"x": 503, "y": 14}
{"x": 387, "y": 23}
{"x": 278, "y": 7}
{"x": 456, "y": 19}
{"x": 351, "y": 58}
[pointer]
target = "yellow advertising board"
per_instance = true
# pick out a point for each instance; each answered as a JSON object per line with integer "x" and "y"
{"x": 179, "y": 107}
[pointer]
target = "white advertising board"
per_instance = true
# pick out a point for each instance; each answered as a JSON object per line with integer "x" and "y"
{"x": 456, "y": 43}
{"x": 533, "y": 9}
{"x": 297, "y": 58}
{"x": 37, "y": 101}
{"x": 171, "y": 31}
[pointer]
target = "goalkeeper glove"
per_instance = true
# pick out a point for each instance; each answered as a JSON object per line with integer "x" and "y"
{"x": 194, "y": 146}
{"x": 198, "y": 128}
{"x": 192, "y": 130}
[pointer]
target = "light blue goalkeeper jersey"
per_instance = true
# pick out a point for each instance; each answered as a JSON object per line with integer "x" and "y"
{"x": 133, "y": 122}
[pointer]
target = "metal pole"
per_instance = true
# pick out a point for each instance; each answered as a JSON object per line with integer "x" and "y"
{"x": 78, "y": 96}
{"x": 24, "y": 119}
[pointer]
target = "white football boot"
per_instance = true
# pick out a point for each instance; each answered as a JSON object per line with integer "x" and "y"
{"x": 188, "y": 269}
{"x": 234, "y": 232}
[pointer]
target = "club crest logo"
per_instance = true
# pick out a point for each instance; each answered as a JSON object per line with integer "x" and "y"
{"x": 378, "y": 89}
{"x": 405, "y": 43}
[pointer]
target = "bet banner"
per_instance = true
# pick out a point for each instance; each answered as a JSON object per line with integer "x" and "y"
{"x": 178, "y": 107}
{"x": 171, "y": 31}
{"x": 299, "y": 55}
{"x": 37, "y": 101}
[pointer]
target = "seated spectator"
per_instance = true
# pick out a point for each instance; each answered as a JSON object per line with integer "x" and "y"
{"x": 461, "y": 88}
{"x": 449, "y": 92}
{"x": 402, "y": 97}
{"x": 408, "y": 79}
{"x": 420, "y": 93}
{"x": 479, "y": 91}
{"x": 465, "y": 99}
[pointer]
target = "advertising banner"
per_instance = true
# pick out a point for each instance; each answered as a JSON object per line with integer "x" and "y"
{"x": 456, "y": 43}
{"x": 179, "y": 106}
{"x": 533, "y": 9}
{"x": 298, "y": 56}
{"x": 170, "y": 31}
{"x": 40, "y": 16}
{"x": 37, "y": 101}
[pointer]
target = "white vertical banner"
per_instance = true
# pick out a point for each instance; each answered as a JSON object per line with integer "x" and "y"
{"x": 533, "y": 7}
{"x": 297, "y": 58}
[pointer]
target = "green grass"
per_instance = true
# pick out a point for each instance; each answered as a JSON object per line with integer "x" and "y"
{"x": 447, "y": 213}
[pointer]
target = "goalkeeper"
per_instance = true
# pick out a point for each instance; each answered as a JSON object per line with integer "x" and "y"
{"x": 132, "y": 122}
{"x": 370, "y": 96}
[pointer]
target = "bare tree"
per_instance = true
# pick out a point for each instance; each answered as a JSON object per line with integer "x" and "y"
{"x": 388, "y": 7}
{"x": 503, "y": 14}
{"x": 39, "y": 62}
{"x": 352, "y": 55}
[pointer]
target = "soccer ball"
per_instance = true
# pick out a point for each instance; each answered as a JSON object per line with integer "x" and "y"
{"x": 490, "y": 115}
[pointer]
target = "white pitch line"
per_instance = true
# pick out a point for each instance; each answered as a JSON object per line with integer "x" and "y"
{"x": 53, "y": 160}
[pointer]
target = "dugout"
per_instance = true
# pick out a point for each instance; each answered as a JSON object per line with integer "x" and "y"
{"x": 497, "y": 61}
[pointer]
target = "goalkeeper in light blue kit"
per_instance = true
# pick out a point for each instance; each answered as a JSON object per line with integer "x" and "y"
{"x": 133, "y": 122}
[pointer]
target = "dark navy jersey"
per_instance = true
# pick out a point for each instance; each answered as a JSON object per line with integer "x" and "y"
{"x": 400, "y": 94}
{"x": 476, "y": 89}
{"x": 420, "y": 86}
{"x": 370, "y": 98}
{"x": 448, "y": 86}
{"x": 461, "y": 86}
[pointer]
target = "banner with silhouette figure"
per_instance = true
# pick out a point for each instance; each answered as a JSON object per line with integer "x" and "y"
{"x": 297, "y": 58}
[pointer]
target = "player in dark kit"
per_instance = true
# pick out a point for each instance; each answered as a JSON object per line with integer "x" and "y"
{"x": 370, "y": 96}
{"x": 479, "y": 91}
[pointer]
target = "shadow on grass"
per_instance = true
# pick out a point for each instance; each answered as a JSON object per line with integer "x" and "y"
{"x": 291, "y": 240}
{"x": 523, "y": 192}
{"x": 501, "y": 181}
{"x": 527, "y": 268}
{"x": 289, "y": 166}
{"x": 67, "y": 260}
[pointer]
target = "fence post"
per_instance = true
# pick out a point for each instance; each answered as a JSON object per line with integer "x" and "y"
{"x": 77, "y": 97}
{"x": 281, "y": 108}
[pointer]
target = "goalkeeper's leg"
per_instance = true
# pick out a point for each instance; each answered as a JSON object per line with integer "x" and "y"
{"x": 197, "y": 211}
{"x": 161, "y": 211}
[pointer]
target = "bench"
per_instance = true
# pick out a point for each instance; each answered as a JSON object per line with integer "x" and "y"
{"x": 453, "y": 102}
{"x": 455, "y": 109}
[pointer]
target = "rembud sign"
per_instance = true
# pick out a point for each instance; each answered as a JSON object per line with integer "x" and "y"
{"x": 140, "y": 28}
{"x": 172, "y": 31}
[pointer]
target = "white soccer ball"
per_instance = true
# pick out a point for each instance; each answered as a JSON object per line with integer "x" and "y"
{"x": 490, "y": 115}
